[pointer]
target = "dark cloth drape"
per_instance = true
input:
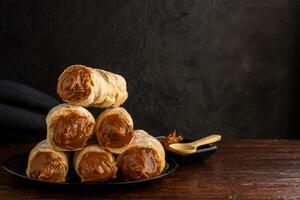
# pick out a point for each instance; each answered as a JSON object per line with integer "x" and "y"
{"x": 23, "y": 111}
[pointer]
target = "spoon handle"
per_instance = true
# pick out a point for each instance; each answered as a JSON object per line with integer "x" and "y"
{"x": 207, "y": 140}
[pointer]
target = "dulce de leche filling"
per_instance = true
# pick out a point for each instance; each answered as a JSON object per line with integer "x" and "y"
{"x": 139, "y": 163}
{"x": 46, "y": 166}
{"x": 171, "y": 138}
{"x": 96, "y": 166}
{"x": 71, "y": 131}
{"x": 74, "y": 84}
{"x": 113, "y": 132}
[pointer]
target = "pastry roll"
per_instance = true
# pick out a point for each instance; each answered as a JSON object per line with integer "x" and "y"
{"x": 114, "y": 129}
{"x": 94, "y": 164}
{"x": 85, "y": 86}
{"x": 69, "y": 127}
{"x": 46, "y": 164}
{"x": 144, "y": 159}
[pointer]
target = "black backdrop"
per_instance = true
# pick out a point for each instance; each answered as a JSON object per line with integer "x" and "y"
{"x": 198, "y": 67}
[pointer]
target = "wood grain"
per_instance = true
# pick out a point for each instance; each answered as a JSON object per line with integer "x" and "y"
{"x": 240, "y": 169}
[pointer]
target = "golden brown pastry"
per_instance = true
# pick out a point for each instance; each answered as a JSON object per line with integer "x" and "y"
{"x": 69, "y": 127}
{"x": 144, "y": 159}
{"x": 46, "y": 164}
{"x": 94, "y": 164}
{"x": 85, "y": 86}
{"x": 114, "y": 129}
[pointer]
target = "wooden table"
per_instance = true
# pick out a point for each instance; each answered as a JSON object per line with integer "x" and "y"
{"x": 241, "y": 169}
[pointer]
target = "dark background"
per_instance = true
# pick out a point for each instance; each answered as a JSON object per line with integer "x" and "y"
{"x": 198, "y": 67}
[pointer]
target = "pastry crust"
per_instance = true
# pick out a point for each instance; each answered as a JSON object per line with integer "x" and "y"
{"x": 93, "y": 148}
{"x": 43, "y": 146}
{"x": 144, "y": 159}
{"x": 85, "y": 86}
{"x": 63, "y": 111}
{"x": 143, "y": 139}
{"x": 122, "y": 115}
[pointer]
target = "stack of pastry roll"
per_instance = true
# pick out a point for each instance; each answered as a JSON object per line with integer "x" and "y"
{"x": 102, "y": 148}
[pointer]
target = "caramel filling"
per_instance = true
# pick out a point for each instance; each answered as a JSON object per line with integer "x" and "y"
{"x": 171, "y": 138}
{"x": 74, "y": 84}
{"x": 139, "y": 163}
{"x": 71, "y": 131}
{"x": 96, "y": 166}
{"x": 45, "y": 166}
{"x": 114, "y": 132}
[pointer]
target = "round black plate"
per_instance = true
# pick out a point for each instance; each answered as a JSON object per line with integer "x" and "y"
{"x": 16, "y": 165}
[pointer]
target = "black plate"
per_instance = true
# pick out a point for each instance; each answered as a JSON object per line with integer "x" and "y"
{"x": 16, "y": 165}
{"x": 202, "y": 153}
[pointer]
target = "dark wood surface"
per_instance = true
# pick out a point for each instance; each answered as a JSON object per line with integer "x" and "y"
{"x": 240, "y": 169}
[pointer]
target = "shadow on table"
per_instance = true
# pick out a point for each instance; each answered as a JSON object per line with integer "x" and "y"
{"x": 22, "y": 185}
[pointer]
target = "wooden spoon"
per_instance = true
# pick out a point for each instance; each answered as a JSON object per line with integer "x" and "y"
{"x": 191, "y": 147}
